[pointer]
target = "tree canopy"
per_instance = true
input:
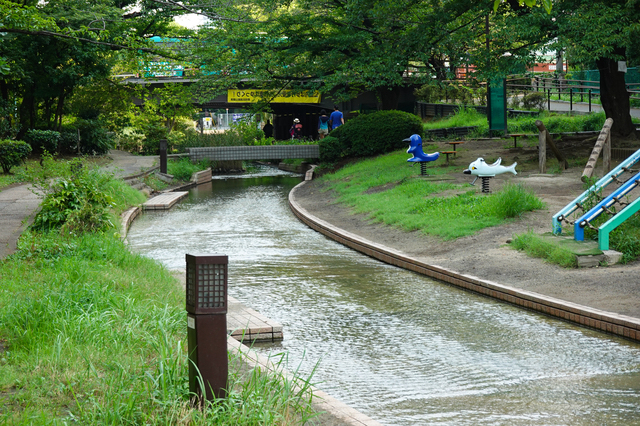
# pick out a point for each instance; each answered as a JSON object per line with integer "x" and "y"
{"x": 342, "y": 47}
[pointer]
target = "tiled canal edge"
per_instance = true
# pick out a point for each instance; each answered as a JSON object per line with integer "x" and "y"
{"x": 609, "y": 322}
{"x": 332, "y": 411}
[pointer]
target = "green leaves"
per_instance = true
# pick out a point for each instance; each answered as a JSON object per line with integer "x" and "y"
{"x": 530, "y": 3}
{"x": 12, "y": 153}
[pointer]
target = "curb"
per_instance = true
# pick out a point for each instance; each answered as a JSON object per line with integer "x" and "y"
{"x": 609, "y": 322}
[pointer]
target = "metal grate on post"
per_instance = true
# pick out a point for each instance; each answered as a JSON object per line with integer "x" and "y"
{"x": 206, "y": 291}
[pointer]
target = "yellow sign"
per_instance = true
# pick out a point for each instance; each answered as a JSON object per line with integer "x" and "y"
{"x": 284, "y": 97}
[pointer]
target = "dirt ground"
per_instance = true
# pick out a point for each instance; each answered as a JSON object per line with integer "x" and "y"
{"x": 487, "y": 254}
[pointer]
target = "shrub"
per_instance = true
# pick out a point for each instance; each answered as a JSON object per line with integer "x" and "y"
{"x": 184, "y": 168}
{"x": 534, "y": 100}
{"x": 76, "y": 201}
{"x": 43, "y": 140}
{"x": 12, "y": 153}
{"x": 94, "y": 137}
{"x": 428, "y": 93}
{"x": 371, "y": 134}
{"x": 331, "y": 150}
{"x": 68, "y": 141}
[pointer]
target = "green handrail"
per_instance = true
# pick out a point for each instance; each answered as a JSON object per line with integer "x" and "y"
{"x": 614, "y": 222}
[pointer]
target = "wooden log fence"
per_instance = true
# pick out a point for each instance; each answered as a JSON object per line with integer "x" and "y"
{"x": 544, "y": 139}
{"x": 603, "y": 144}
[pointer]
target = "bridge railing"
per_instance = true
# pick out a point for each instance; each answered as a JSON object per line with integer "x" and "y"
{"x": 261, "y": 152}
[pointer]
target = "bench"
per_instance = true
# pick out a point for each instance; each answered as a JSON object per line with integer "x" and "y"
{"x": 453, "y": 144}
{"x": 447, "y": 153}
{"x": 515, "y": 137}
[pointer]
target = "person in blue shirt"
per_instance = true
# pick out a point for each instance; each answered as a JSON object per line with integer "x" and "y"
{"x": 323, "y": 124}
{"x": 336, "y": 118}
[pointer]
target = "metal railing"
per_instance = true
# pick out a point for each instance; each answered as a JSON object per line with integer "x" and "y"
{"x": 568, "y": 90}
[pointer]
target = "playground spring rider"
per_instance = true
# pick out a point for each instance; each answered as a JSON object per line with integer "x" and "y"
{"x": 415, "y": 149}
{"x": 480, "y": 169}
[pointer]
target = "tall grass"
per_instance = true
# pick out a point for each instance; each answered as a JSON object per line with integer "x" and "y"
{"x": 183, "y": 168}
{"x": 94, "y": 334}
{"x": 384, "y": 190}
{"x": 535, "y": 246}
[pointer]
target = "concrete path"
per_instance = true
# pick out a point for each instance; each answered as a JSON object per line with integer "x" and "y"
{"x": 18, "y": 204}
{"x": 17, "y": 208}
{"x": 565, "y": 106}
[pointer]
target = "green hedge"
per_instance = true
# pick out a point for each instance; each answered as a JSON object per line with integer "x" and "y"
{"x": 43, "y": 140}
{"x": 369, "y": 135}
{"x": 12, "y": 153}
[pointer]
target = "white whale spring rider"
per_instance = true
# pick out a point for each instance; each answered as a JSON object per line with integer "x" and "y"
{"x": 480, "y": 168}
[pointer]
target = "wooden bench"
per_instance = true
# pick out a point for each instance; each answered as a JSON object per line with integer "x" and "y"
{"x": 447, "y": 153}
{"x": 515, "y": 137}
{"x": 453, "y": 144}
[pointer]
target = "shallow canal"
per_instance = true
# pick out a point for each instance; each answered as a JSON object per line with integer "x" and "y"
{"x": 399, "y": 347}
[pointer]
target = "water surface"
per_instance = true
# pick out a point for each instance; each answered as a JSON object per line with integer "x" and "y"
{"x": 397, "y": 346}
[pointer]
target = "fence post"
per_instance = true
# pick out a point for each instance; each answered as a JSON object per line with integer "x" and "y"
{"x": 542, "y": 151}
{"x": 606, "y": 155}
{"x": 549, "y": 100}
{"x": 548, "y": 140}
{"x": 589, "y": 100}
{"x": 603, "y": 137}
{"x": 570, "y": 99}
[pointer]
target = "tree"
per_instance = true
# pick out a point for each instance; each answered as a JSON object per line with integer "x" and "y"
{"x": 338, "y": 47}
{"x": 48, "y": 49}
{"x": 603, "y": 32}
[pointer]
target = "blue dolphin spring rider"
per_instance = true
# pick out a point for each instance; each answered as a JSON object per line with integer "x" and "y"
{"x": 415, "y": 149}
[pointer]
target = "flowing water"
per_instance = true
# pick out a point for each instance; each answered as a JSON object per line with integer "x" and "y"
{"x": 399, "y": 347}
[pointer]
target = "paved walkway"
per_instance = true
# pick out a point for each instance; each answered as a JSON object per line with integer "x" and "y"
{"x": 18, "y": 204}
{"x": 565, "y": 106}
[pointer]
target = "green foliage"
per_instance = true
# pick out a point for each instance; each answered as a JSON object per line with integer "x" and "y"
{"x": 370, "y": 134}
{"x": 76, "y": 200}
{"x": 96, "y": 335}
{"x": 183, "y": 168}
{"x": 12, "y": 153}
{"x": 43, "y": 140}
{"x": 94, "y": 137}
{"x": 626, "y": 239}
{"x": 512, "y": 201}
{"x": 534, "y": 101}
{"x": 463, "y": 117}
{"x": 331, "y": 149}
{"x": 8, "y": 123}
{"x": 535, "y": 246}
{"x": 435, "y": 92}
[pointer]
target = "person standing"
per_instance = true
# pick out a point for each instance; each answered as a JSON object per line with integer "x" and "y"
{"x": 336, "y": 118}
{"x": 268, "y": 129}
{"x": 296, "y": 129}
{"x": 323, "y": 124}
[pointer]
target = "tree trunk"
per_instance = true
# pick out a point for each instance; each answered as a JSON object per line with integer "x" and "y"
{"x": 27, "y": 112}
{"x": 615, "y": 98}
{"x": 389, "y": 97}
{"x": 59, "y": 111}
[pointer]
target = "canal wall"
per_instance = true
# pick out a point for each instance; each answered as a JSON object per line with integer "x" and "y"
{"x": 620, "y": 325}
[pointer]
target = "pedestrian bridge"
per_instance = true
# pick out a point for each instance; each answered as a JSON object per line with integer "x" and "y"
{"x": 260, "y": 152}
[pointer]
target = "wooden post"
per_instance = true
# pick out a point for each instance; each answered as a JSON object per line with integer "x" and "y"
{"x": 606, "y": 155}
{"x": 552, "y": 145}
{"x": 542, "y": 149}
{"x": 604, "y": 141}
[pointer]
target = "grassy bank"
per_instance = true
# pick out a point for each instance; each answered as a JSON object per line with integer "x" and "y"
{"x": 554, "y": 122}
{"x": 393, "y": 195}
{"x": 91, "y": 333}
